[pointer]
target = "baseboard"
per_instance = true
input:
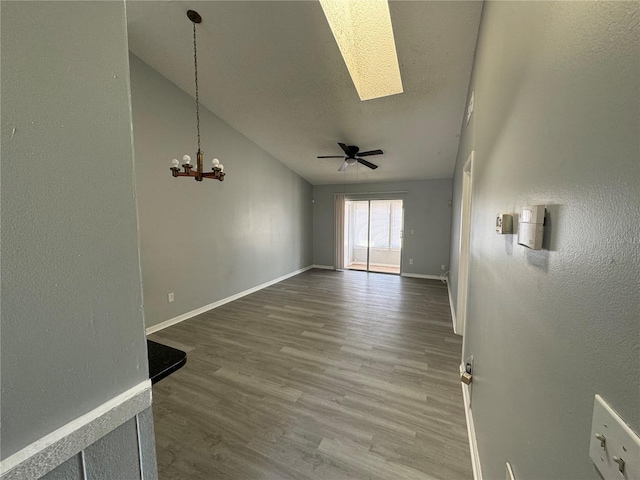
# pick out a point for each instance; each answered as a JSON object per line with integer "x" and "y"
{"x": 453, "y": 310}
{"x": 324, "y": 267}
{"x": 420, "y": 275}
{"x": 471, "y": 430}
{"x": 45, "y": 454}
{"x": 219, "y": 303}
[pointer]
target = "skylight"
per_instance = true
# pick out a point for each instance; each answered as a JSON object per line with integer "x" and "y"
{"x": 363, "y": 31}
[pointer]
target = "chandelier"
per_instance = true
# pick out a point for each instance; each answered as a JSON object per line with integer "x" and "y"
{"x": 197, "y": 172}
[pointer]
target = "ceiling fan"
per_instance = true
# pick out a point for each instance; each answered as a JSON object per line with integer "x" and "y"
{"x": 353, "y": 156}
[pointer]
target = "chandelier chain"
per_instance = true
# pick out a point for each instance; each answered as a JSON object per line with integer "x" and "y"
{"x": 195, "y": 63}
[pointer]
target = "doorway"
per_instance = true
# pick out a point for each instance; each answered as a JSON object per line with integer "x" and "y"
{"x": 465, "y": 242}
{"x": 373, "y": 235}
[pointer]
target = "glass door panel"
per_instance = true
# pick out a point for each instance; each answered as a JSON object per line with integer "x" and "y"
{"x": 356, "y": 234}
{"x": 373, "y": 235}
{"x": 385, "y": 236}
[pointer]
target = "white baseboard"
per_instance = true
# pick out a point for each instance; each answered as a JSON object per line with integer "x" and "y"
{"x": 471, "y": 430}
{"x": 219, "y": 303}
{"x": 420, "y": 275}
{"x": 324, "y": 267}
{"x": 53, "y": 449}
{"x": 453, "y": 311}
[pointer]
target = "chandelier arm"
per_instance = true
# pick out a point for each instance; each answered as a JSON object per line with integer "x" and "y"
{"x": 216, "y": 175}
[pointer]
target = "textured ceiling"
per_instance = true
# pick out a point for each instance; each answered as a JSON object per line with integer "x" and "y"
{"x": 273, "y": 71}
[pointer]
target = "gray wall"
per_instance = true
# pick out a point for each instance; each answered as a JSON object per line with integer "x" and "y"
{"x": 72, "y": 321}
{"x": 206, "y": 241}
{"x": 426, "y": 211}
{"x": 124, "y": 453}
{"x": 556, "y": 122}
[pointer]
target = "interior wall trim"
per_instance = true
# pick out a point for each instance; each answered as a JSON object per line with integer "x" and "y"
{"x": 219, "y": 303}
{"x": 45, "y": 454}
{"x": 324, "y": 267}
{"x": 453, "y": 310}
{"x": 421, "y": 275}
{"x": 471, "y": 430}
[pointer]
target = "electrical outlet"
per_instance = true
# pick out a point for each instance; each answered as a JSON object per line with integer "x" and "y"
{"x": 468, "y": 367}
{"x": 468, "y": 364}
{"x": 411, "y": 261}
{"x": 170, "y": 297}
{"x": 412, "y": 231}
{"x": 442, "y": 267}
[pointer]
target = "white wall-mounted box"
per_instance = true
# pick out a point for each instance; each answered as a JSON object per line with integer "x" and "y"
{"x": 504, "y": 224}
{"x": 531, "y": 226}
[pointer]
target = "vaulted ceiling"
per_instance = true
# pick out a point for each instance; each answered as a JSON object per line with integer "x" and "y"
{"x": 273, "y": 71}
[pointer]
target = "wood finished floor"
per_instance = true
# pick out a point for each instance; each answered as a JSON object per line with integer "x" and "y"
{"x": 327, "y": 375}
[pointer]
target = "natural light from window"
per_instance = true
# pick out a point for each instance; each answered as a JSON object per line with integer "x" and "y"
{"x": 363, "y": 31}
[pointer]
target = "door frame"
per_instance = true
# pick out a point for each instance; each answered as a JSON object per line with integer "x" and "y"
{"x": 464, "y": 247}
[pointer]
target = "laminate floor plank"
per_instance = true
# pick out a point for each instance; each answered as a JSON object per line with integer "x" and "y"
{"x": 324, "y": 376}
{"x": 363, "y": 459}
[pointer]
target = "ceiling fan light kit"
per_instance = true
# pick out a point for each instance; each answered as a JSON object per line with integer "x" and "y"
{"x": 197, "y": 172}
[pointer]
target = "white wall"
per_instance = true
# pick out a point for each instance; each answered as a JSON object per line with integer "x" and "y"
{"x": 205, "y": 241}
{"x": 556, "y": 122}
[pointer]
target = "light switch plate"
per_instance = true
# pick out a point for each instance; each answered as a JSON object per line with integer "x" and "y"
{"x": 619, "y": 441}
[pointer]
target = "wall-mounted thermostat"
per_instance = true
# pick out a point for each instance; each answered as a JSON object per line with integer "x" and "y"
{"x": 504, "y": 224}
{"x": 531, "y": 226}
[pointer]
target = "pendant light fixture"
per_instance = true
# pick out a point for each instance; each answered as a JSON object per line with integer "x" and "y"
{"x": 189, "y": 171}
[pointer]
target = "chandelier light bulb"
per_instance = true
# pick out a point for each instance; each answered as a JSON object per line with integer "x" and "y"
{"x": 221, "y": 167}
{"x": 186, "y": 159}
{"x": 175, "y": 162}
{"x": 215, "y": 162}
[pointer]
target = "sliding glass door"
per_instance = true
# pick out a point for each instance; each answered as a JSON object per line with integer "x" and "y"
{"x": 373, "y": 235}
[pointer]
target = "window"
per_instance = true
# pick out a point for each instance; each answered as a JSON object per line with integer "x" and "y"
{"x": 386, "y": 223}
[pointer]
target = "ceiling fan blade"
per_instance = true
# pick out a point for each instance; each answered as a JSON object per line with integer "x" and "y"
{"x": 372, "y": 166}
{"x": 331, "y": 156}
{"x": 370, "y": 152}
{"x": 345, "y": 149}
{"x": 343, "y": 167}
